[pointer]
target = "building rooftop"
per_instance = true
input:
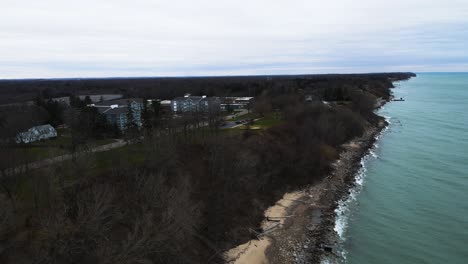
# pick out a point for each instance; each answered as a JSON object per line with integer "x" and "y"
{"x": 36, "y": 133}
{"x": 117, "y": 106}
{"x": 195, "y": 98}
{"x": 112, "y": 110}
{"x": 119, "y": 102}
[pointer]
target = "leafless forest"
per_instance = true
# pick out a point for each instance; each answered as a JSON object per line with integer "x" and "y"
{"x": 181, "y": 192}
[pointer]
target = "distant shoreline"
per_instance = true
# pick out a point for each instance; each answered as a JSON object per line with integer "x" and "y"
{"x": 193, "y": 76}
{"x": 23, "y": 90}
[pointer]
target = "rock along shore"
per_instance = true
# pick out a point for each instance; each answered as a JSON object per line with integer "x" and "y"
{"x": 300, "y": 227}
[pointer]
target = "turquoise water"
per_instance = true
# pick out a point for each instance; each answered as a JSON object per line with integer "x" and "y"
{"x": 413, "y": 201}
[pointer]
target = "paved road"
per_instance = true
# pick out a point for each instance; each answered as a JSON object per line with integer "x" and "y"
{"x": 230, "y": 124}
{"x": 62, "y": 158}
{"x": 238, "y": 113}
{"x": 233, "y": 124}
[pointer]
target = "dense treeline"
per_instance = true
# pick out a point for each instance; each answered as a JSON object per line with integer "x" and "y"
{"x": 183, "y": 195}
{"x": 330, "y": 87}
{"x": 20, "y": 118}
{"x": 84, "y": 122}
{"x": 166, "y": 88}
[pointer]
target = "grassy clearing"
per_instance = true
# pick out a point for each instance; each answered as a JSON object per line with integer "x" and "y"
{"x": 39, "y": 153}
{"x": 131, "y": 154}
{"x": 244, "y": 116}
{"x": 50, "y": 148}
{"x": 71, "y": 171}
{"x": 269, "y": 120}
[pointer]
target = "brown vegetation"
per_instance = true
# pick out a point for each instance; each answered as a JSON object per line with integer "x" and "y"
{"x": 195, "y": 192}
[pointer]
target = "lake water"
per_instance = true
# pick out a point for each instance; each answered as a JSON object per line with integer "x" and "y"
{"x": 411, "y": 201}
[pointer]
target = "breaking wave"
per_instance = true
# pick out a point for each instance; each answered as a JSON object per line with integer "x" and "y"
{"x": 343, "y": 211}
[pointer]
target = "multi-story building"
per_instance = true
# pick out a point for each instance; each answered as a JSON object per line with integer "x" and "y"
{"x": 234, "y": 103}
{"x": 190, "y": 103}
{"x": 116, "y": 111}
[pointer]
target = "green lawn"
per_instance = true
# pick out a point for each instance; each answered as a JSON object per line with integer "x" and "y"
{"x": 35, "y": 153}
{"x": 51, "y": 148}
{"x": 60, "y": 141}
{"x": 245, "y": 116}
{"x": 133, "y": 154}
{"x": 100, "y": 142}
{"x": 269, "y": 120}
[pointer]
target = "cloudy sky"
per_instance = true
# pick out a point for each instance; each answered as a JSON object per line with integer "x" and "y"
{"x": 107, "y": 38}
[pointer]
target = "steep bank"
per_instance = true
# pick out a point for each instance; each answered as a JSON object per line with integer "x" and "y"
{"x": 323, "y": 240}
{"x": 306, "y": 234}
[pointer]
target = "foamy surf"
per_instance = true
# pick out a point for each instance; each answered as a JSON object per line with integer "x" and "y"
{"x": 413, "y": 206}
{"x": 343, "y": 212}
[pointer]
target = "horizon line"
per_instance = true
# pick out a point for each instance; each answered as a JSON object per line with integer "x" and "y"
{"x": 206, "y": 76}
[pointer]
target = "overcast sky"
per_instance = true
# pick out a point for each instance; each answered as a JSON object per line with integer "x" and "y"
{"x": 107, "y": 38}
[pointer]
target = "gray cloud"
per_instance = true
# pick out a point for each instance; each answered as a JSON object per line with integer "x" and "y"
{"x": 53, "y": 38}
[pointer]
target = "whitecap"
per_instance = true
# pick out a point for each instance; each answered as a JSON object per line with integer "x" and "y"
{"x": 342, "y": 211}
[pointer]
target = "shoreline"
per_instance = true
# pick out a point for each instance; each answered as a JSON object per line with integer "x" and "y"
{"x": 343, "y": 179}
{"x": 306, "y": 232}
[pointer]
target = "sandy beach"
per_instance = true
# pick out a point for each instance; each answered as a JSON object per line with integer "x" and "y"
{"x": 299, "y": 227}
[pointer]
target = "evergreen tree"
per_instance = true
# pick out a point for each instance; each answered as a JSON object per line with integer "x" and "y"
{"x": 146, "y": 116}
{"x": 155, "y": 113}
{"x": 39, "y": 100}
{"x": 87, "y": 100}
{"x": 53, "y": 108}
{"x": 156, "y": 107}
{"x": 76, "y": 102}
{"x": 55, "y": 111}
{"x": 131, "y": 128}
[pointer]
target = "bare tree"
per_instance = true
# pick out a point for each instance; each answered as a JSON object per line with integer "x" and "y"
{"x": 262, "y": 107}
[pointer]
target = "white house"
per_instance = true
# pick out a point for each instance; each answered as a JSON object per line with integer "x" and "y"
{"x": 36, "y": 133}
